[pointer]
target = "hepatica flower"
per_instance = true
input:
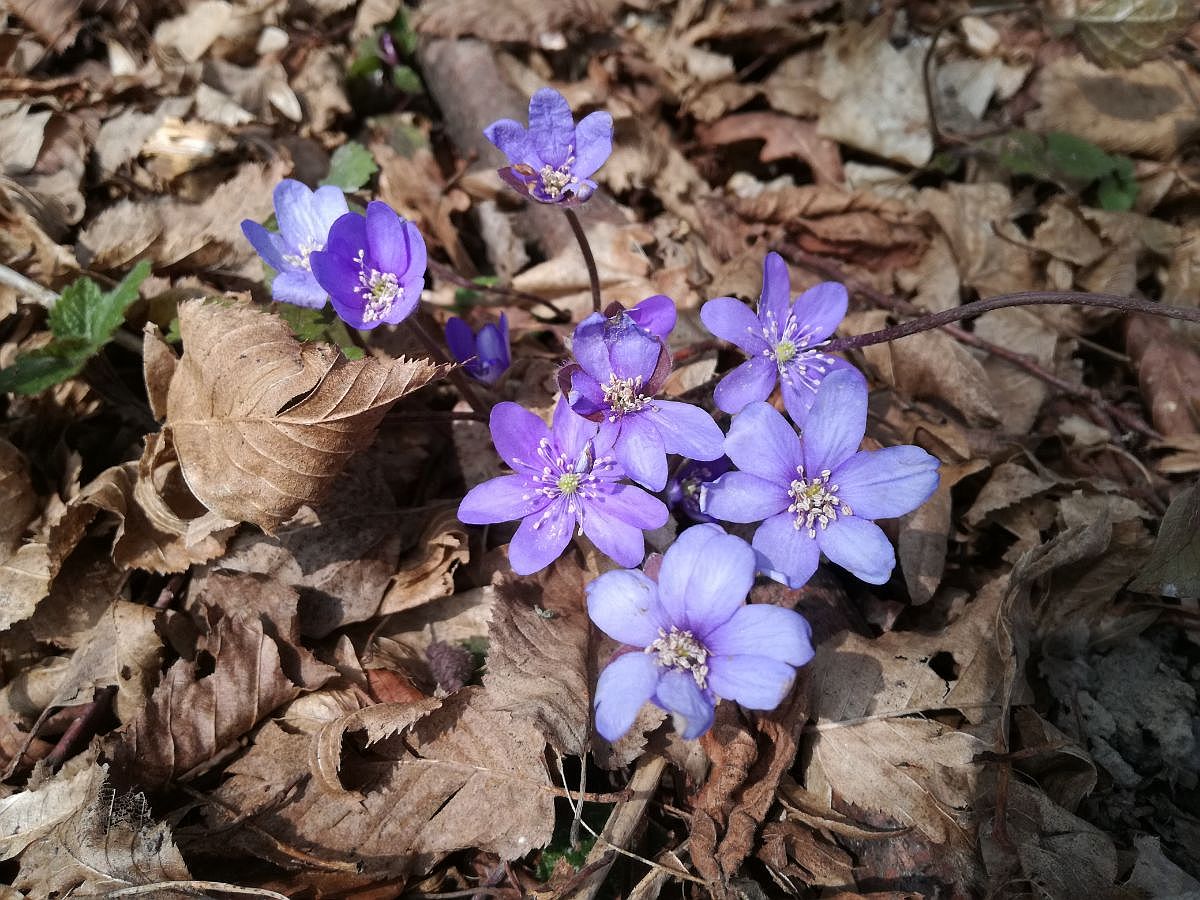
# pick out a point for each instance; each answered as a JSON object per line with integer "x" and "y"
{"x": 552, "y": 161}
{"x": 817, "y": 493}
{"x": 560, "y": 484}
{"x": 485, "y": 355}
{"x": 373, "y": 267}
{"x": 304, "y": 218}
{"x": 691, "y": 638}
{"x": 783, "y": 341}
{"x": 683, "y": 490}
{"x": 619, "y": 369}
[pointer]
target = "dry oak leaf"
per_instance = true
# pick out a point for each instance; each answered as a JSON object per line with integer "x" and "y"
{"x": 784, "y": 137}
{"x": 514, "y": 21}
{"x": 1127, "y": 32}
{"x": 1168, "y": 370}
{"x": 263, "y": 424}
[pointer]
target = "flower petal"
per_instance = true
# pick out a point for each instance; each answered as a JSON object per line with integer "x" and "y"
{"x": 338, "y": 275}
{"x": 621, "y": 691}
{"x": 329, "y": 205}
{"x": 633, "y": 351}
{"x": 512, "y": 139}
{"x": 501, "y": 499}
{"x": 761, "y": 442}
{"x": 705, "y": 577}
{"x": 632, "y": 505}
{"x": 541, "y": 539}
{"x": 860, "y": 547}
{"x": 586, "y": 396}
{"x": 516, "y": 433}
{"x": 786, "y": 553}
{"x": 763, "y": 629}
{"x": 624, "y": 605}
{"x": 402, "y": 307}
{"x": 836, "y": 423}
{"x": 742, "y": 497}
{"x": 551, "y": 128}
{"x": 297, "y": 215}
{"x": 492, "y": 344}
{"x": 589, "y": 348}
{"x": 593, "y": 143}
{"x": 571, "y": 430}
{"x": 756, "y": 682}
{"x": 751, "y": 382}
{"x": 880, "y": 484}
{"x": 687, "y": 430}
{"x": 820, "y": 309}
{"x": 460, "y": 339}
{"x": 639, "y": 450}
{"x": 802, "y": 379}
{"x": 300, "y": 288}
{"x": 268, "y": 244}
{"x": 613, "y": 536}
{"x": 394, "y": 245}
{"x": 731, "y": 320}
{"x": 655, "y": 314}
{"x": 679, "y": 694}
{"x": 775, "y": 301}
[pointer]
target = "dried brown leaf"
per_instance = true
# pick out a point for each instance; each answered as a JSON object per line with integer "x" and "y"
{"x": 516, "y": 21}
{"x": 17, "y": 498}
{"x": 263, "y": 424}
{"x": 784, "y": 138}
{"x": 30, "y": 815}
{"x": 1127, "y": 32}
{"x": 933, "y": 366}
{"x": 1168, "y": 370}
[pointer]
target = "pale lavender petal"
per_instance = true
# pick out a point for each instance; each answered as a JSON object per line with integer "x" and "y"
{"x": 756, "y": 682}
{"x": 300, "y": 288}
{"x": 512, "y": 139}
{"x": 621, "y": 691}
{"x": 687, "y": 430}
{"x": 820, "y": 309}
{"x": 268, "y": 244}
{"x": 860, "y": 547}
{"x": 639, "y": 450}
{"x": 836, "y": 423}
{"x": 632, "y": 505}
{"x": 571, "y": 431}
{"x": 761, "y": 442}
{"x": 516, "y": 433}
{"x": 632, "y": 351}
{"x": 589, "y": 348}
{"x": 502, "y": 499}
{"x": 593, "y": 143}
{"x": 881, "y": 484}
{"x": 460, "y": 339}
{"x": 775, "y": 301}
{"x": 799, "y": 389}
{"x": 763, "y": 629}
{"x": 786, "y": 553}
{"x": 624, "y": 605}
{"x": 656, "y": 314}
{"x": 541, "y": 539}
{"x": 691, "y": 711}
{"x": 731, "y": 320}
{"x": 614, "y": 537}
{"x": 551, "y": 128}
{"x": 296, "y": 213}
{"x": 705, "y": 577}
{"x": 329, "y": 205}
{"x": 587, "y": 388}
{"x": 751, "y": 382}
{"x": 742, "y": 497}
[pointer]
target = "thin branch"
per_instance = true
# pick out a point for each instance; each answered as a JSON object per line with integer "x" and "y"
{"x": 194, "y": 886}
{"x": 31, "y": 289}
{"x": 588, "y": 259}
{"x": 81, "y": 728}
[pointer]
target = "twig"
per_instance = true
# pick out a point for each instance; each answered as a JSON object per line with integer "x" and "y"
{"x": 88, "y": 718}
{"x": 194, "y": 886}
{"x": 456, "y": 373}
{"x": 588, "y": 259}
{"x": 31, "y": 289}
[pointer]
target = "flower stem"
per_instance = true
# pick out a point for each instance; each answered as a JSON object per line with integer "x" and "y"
{"x": 588, "y": 259}
{"x": 456, "y": 374}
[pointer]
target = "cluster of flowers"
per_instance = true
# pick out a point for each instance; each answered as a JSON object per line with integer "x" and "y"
{"x": 814, "y": 492}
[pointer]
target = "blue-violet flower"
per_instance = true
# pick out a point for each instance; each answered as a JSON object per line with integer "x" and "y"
{"x": 619, "y": 369}
{"x": 559, "y": 484}
{"x": 553, "y": 160}
{"x": 816, "y": 492}
{"x": 783, "y": 341}
{"x": 683, "y": 490}
{"x": 698, "y": 640}
{"x": 373, "y": 267}
{"x": 485, "y": 355}
{"x": 304, "y": 218}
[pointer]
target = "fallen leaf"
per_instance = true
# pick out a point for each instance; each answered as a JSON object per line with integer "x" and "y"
{"x": 17, "y": 498}
{"x": 30, "y": 815}
{"x": 519, "y": 21}
{"x": 1127, "y": 32}
{"x": 783, "y": 138}
{"x": 1173, "y": 568}
{"x": 1168, "y": 370}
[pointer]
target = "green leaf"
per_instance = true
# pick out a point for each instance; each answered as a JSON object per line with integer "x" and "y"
{"x": 306, "y": 323}
{"x": 351, "y": 167}
{"x": 84, "y": 312}
{"x": 1173, "y": 569}
{"x": 402, "y": 34}
{"x": 407, "y": 80}
{"x": 1076, "y": 158}
{"x": 33, "y": 372}
{"x": 1115, "y": 193}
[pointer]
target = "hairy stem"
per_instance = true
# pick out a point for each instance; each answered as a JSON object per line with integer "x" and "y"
{"x": 588, "y": 259}
{"x": 456, "y": 374}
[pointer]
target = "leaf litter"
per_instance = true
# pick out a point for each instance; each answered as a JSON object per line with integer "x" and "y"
{"x": 246, "y": 639}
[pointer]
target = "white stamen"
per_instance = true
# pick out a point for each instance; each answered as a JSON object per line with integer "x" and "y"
{"x": 815, "y": 502}
{"x": 680, "y": 650}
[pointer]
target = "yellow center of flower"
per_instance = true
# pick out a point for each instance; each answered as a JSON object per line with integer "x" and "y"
{"x": 785, "y": 352}
{"x": 569, "y": 483}
{"x": 815, "y": 502}
{"x": 680, "y": 650}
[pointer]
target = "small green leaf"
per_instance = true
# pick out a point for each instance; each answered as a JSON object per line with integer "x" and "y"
{"x": 402, "y": 34}
{"x": 407, "y": 80}
{"x": 351, "y": 167}
{"x": 1076, "y": 158}
{"x": 84, "y": 312}
{"x": 306, "y": 323}
{"x": 1115, "y": 193}
{"x": 33, "y": 372}
{"x": 1173, "y": 569}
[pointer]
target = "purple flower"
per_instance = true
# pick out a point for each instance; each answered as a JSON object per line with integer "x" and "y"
{"x": 699, "y": 642}
{"x": 783, "y": 341}
{"x": 373, "y": 267}
{"x": 559, "y": 484}
{"x": 305, "y": 218}
{"x": 619, "y": 369}
{"x": 683, "y": 490}
{"x": 654, "y": 314}
{"x": 816, "y": 493}
{"x": 552, "y": 161}
{"x": 485, "y": 356}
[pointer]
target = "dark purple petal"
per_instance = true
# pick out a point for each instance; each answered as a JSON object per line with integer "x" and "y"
{"x": 705, "y": 577}
{"x": 523, "y": 184}
{"x": 860, "y": 547}
{"x": 731, "y": 320}
{"x": 624, "y": 605}
{"x": 571, "y": 431}
{"x": 786, "y": 553}
{"x": 394, "y": 245}
{"x": 516, "y": 433}
{"x": 685, "y": 429}
{"x": 268, "y": 244}
{"x": 593, "y": 143}
{"x": 541, "y": 539}
{"x": 347, "y": 237}
{"x": 589, "y": 348}
{"x": 639, "y": 450}
{"x": 679, "y": 694}
{"x": 339, "y": 276}
{"x": 742, "y": 497}
{"x": 300, "y": 288}
{"x": 836, "y": 423}
{"x": 763, "y": 629}
{"x": 501, "y": 499}
{"x": 613, "y": 536}
{"x": 881, "y": 484}
{"x": 775, "y": 301}
{"x": 820, "y": 309}
{"x": 512, "y": 139}
{"x": 586, "y": 395}
{"x": 460, "y": 339}
{"x": 655, "y": 314}
{"x": 756, "y": 682}
{"x": 761, "y": 442}
{"x": 551, "y": 128}
{"x": 493, "y": 345}
{"x": 751, "y": 382}
{"x": 621, "y": 691}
